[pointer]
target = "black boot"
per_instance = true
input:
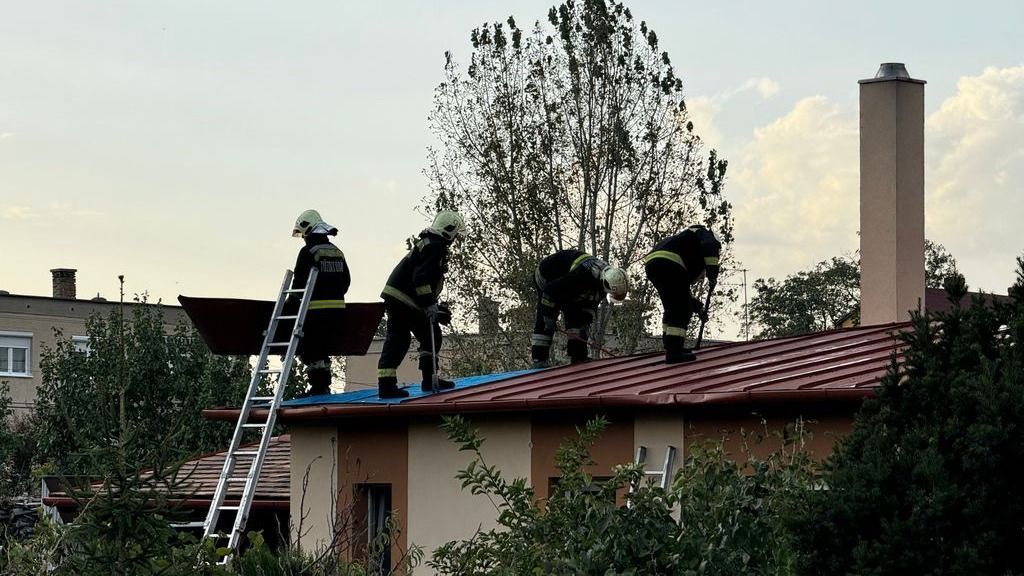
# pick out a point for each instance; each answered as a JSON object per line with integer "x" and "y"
{"x": 540, "y": 355}
{"x": 676, "y": 351}
{"x": 427, "y": 368}
{"x": 387, "y": 387}
{"x": 319, "y": 382}
{"x": 577, "y": 351}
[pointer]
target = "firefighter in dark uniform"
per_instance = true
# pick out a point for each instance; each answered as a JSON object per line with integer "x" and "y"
{"x": 676, "y": 263}
{"x": 327, "y": 303}
{"x": 574, "y": 283}
{"x": 411, "y": 303}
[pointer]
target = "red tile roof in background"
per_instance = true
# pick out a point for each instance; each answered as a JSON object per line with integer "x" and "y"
{"x": 272, "y": 489}
{"x": 824, "y": 367}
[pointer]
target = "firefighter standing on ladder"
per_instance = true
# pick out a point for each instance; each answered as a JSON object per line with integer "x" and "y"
{"x": 410, "y": 300}
{"x": 676, "y": 263}
{"x": 574, "y": 283}
{"x": 327, "y": 305}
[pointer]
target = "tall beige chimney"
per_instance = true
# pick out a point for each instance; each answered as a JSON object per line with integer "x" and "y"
{"x": 63, "y": 282}
{"x": 891, "y": 195}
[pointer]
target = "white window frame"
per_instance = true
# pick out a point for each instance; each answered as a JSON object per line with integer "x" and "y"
{"x": 8, "y": 361}
{"x": 81, "y": 344}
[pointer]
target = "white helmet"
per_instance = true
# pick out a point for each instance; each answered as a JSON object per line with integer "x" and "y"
{"x": 615, "y": 283}
{"x": 310, "y": 222}
{"x": 449, "y": 224}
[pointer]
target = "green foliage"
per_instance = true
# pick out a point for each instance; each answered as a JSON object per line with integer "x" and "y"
{"x": 733, "y": 513}
{"x": 571, "y": 134}
{"x": 136, "y": 376}
{"x": 808, "y": 301}
{"x": 16, "y": 450}
{"x": 928, "y": 480}
{"x": 730, "y": 515}
{"x": 826, "y": 295}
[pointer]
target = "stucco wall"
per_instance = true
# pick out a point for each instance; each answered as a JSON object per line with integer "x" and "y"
{"x": 439, "y": 509}
{"x": 657, "y": 433}
{"x": 762, "y": 435}
{"x": 314, "y": 484}
{"x": 615, "y": 446}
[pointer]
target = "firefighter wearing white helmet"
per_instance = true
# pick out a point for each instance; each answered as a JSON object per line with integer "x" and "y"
{"x": 572, "y": 283}
{"x": 412, "y": 305}
{"x": 310, "y": 222}
{"x": 327, "y": 303}
{"x": 449, "y": 225}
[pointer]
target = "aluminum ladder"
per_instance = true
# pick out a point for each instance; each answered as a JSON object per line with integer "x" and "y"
{"x": 257, "y": 454}
{"x": 665, "y": 473}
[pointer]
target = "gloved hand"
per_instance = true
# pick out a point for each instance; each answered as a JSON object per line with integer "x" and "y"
{"x": 444, "y": 314}
{"x": 698, "y": 309}
{"x": 432, "y": 312}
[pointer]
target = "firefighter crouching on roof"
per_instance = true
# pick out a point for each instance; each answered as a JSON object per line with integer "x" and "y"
{"x": 574, "y": 283}
{"x": 411, "y": 303}
{"x": 327, "y": 303}
{"x": 673, "y": 266}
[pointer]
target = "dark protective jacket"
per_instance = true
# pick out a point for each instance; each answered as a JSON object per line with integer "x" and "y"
{"x": 418, "y": 278}
{"x": 571, "y": 276}
{"x": 695, "y": 249}
{"x": 333, "y": 276}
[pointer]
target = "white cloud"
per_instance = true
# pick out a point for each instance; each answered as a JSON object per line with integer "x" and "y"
{"x": 766, "y": 87}
{"x": 795, "y": 182}
{"x": 6, "y": 135}
{"x": 794, "y": 186}
{"x": 975, "y": 175}
{"x": 17, "y": 213}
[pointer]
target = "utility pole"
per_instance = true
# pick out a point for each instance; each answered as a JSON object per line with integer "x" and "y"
{"x": 746, "y": 312}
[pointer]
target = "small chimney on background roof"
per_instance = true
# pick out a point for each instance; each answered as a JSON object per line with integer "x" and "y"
{"x": 891, "y": 195}
{"x": 64, "y": 283}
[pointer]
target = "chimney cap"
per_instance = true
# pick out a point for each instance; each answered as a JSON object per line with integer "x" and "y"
{"x": 890, "y": 71}
{"x": 55, "y": 270}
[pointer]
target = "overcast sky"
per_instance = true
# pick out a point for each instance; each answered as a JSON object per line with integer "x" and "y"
{"x": 176, "y": 141}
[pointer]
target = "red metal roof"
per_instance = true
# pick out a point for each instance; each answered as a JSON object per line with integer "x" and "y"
{"x": 272, "y": 488}
{"x": 838, "y": 365}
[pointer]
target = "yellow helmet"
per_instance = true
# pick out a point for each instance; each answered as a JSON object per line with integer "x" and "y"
{"x": 449, "y": 224}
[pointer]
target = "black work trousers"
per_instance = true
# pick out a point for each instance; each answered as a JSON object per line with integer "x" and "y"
{"x": 673, "y": 285}
{"x": 404, "y": 322}
{"x": 577, "y": 328}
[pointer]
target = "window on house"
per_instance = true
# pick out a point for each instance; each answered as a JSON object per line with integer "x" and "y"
{"x": 15, "y": 354}
{"x": 81, "y": 344}
{"x": 373, "y": 514}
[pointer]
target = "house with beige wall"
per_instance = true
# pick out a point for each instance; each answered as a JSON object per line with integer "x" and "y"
{"x": 357, "y": 459}
{"x": 29, "y": 324}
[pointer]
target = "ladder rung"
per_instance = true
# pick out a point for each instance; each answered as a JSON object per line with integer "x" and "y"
{"x": 246, "y": 452}
{"x": 229, "y": 508}
{"x": 279, "y": 344}
{"x": 295, "y": 291}
{"x": 263, "y": 398}
{"x": 294, "y": 317}
{"x": 236, "y": 480}
{"x": 270, "y": 371}
{"x": 264, "y": 425}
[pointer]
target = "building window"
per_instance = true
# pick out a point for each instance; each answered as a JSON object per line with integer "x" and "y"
{"x": 373, "y": 514}
{"x": 15, "y": 354}
{"x": 81, "y": 344}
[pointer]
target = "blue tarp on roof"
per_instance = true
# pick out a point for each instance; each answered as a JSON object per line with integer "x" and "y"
{"x": 370, "y": 396}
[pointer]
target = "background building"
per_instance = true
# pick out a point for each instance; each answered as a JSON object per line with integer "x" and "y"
{"x": 29, "y": 324}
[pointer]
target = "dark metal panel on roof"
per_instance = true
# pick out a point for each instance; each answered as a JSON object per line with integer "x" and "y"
{"x": 235, "y": 327}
